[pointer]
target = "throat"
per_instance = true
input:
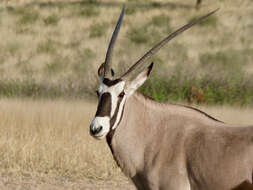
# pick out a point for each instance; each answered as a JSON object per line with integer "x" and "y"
{"x": 109, "y": 137}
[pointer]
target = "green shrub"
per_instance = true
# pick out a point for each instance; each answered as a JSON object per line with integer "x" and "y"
{"x": 12, "y": 48}
{"x": 161, "y": 21}
{"x": 156, "y": 4}
{"x": 98, "y": 29}
{"x": 53, "y": 67}
{"x": 88, "y": 53}
{"x": 56, "y": 65}
{"x": 27, "y": 88}
{"x": 29, "y": 17}
{"x": 228, "y": 89}
{"x": 49, "y": 46}
{"x": 17, "y": 10}
{"x": 131, "y": 10}
{"x": 51, "y": 20}
{"x": 88, "y": 11}
{"x": 230, "y": 60}
{"x": 32, "y": 89}
{"x": 139, "y": 34}
{"x": 79, "y": 67}
{"x": 150, "y": 32}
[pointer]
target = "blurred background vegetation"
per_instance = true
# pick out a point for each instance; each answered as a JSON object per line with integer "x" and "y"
{"x": 52, "y": 49}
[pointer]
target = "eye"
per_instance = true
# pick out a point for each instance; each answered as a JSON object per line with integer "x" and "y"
{"x": 122, "y": 94}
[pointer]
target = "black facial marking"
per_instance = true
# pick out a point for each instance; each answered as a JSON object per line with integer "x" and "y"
{"x": 122, "y": 94}
{"x": 109, "y": 82}
{"x": 104, "y": 106}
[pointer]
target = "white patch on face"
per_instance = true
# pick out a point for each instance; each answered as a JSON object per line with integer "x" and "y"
{"x": 119, "y": 112}
{"x": 101, "y": 121}
{"x": 114, "y": 91}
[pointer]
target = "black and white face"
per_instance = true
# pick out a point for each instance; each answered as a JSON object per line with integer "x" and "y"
{"x": 110, "y": 107}
{"x": 112, "y": 96}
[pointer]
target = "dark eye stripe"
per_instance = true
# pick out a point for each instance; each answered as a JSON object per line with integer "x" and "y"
{"x": 104, "y": 106}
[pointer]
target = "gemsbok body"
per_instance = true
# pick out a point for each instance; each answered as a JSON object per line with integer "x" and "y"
{"x": 164, "y": 146}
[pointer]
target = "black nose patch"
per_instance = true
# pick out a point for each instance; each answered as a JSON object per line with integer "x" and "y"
{"x": 104, "y": 106}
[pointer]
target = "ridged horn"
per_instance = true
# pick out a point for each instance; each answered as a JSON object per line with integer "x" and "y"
{"x": 108, "y": 58}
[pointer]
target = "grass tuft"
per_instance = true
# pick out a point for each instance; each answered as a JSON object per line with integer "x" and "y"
{"x": 131, "y": 10}
{"x": 88, "y": 11}
{"x": 161, "y": 21}
{"x": 29, "y": 17}
{"x": 12, "y": 48}
{"x": 98, "y": 29}
{"x": 138, "y": 35}
{"x": 49, "y": 46}
{"x": 51, "y": 20}
{"x": 54, "y": 67}
{"x": 151, "y": 31}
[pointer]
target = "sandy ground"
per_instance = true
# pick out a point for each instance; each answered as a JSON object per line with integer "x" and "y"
{"x": 12, "y": 183}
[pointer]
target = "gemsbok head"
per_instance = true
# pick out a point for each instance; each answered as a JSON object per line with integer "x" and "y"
{"x": 112, "y": 93}
{"x": 167, "y": 146}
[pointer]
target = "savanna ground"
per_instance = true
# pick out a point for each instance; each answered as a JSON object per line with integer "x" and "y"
{"x": 49, "y": 54}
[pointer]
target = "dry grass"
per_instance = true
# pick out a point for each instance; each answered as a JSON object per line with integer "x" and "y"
{"x": 51, "y": 138}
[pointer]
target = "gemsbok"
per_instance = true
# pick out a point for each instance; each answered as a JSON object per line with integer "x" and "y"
{"x": 165, "y": 146}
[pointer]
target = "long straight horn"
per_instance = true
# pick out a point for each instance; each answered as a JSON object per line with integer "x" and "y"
{"x": 108, "y": 58}
{"x": 159, "y": 45}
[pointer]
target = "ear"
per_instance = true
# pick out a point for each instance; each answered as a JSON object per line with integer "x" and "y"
{"x": 138, "y": 81}
{"x": 101, "y": 70}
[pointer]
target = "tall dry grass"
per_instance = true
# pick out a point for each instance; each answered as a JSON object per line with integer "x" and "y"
{"x": 51, "y": 138}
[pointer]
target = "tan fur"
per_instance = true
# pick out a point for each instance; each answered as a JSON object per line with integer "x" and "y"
{"x": 164, "y": 146}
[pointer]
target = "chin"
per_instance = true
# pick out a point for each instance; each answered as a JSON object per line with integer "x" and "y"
{"x": 100, "y": 136}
